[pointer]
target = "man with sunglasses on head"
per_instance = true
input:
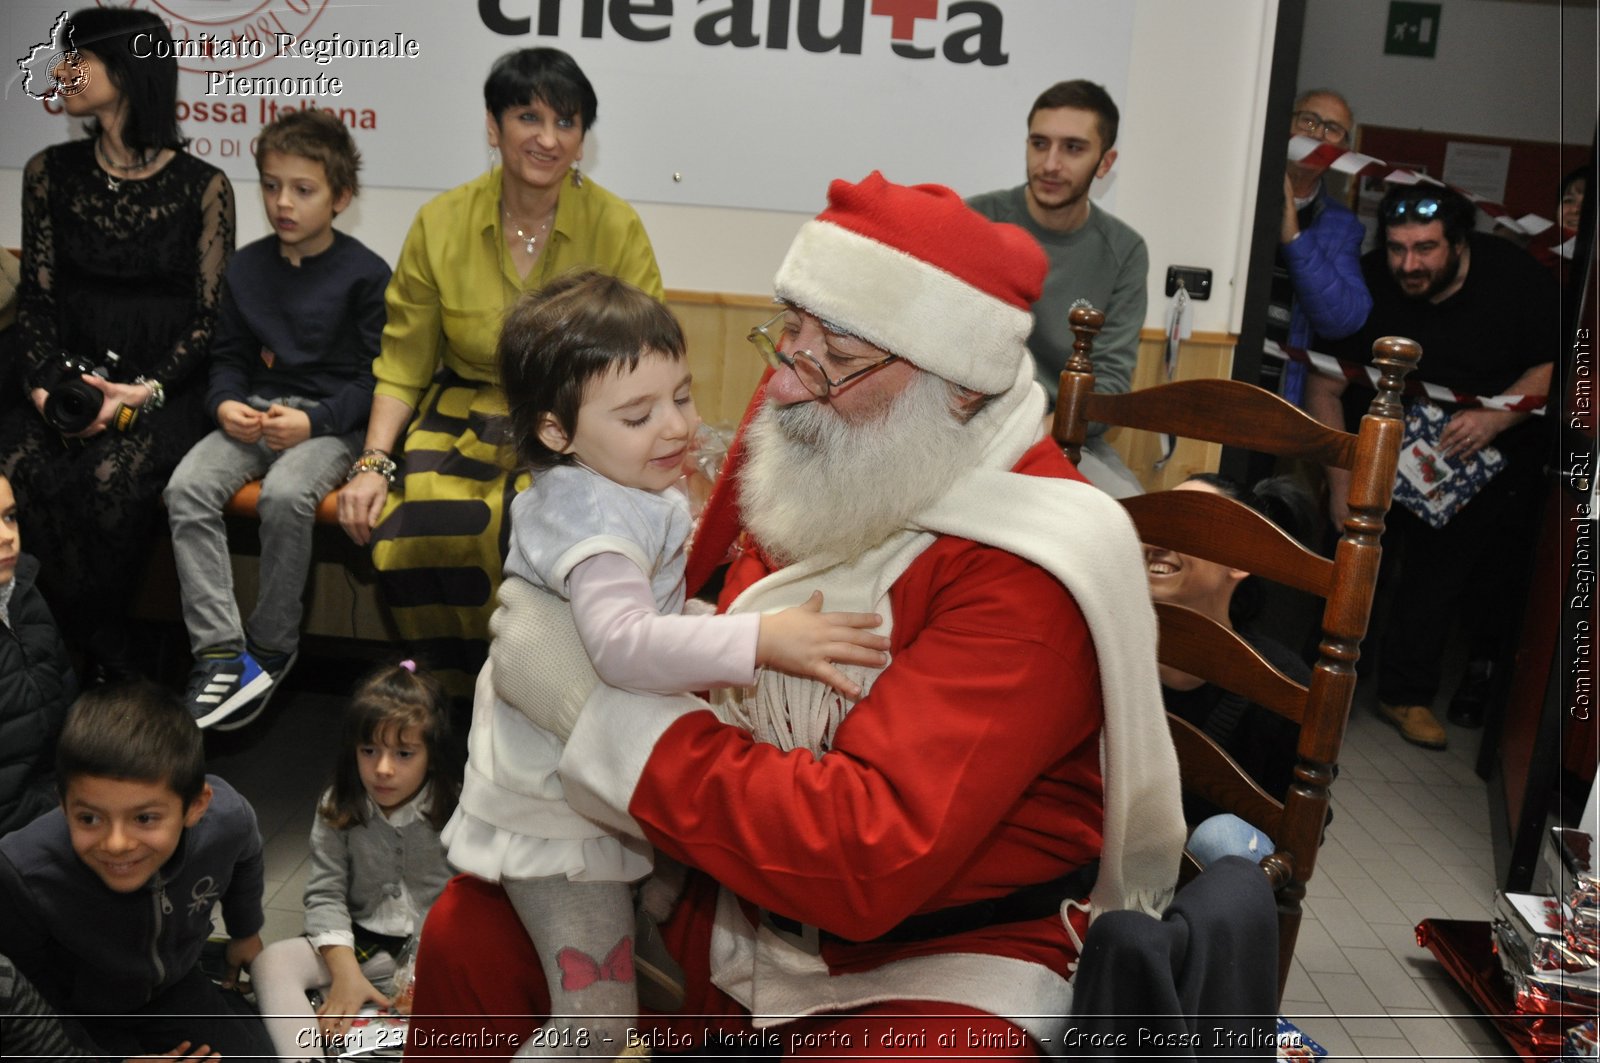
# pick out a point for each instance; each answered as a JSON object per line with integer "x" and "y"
{"x": 1316, "y": 279}
{"x": 1487, "y": 317}
{"x": 869, "y": 875}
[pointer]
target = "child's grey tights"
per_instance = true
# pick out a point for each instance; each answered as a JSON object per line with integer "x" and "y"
{"x": 583, "y": 932}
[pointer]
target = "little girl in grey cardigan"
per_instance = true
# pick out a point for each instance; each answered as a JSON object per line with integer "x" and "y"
{"x": 376, "y": 862}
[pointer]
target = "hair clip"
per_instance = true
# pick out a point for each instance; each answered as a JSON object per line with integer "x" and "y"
{"x": 409, "y": 665}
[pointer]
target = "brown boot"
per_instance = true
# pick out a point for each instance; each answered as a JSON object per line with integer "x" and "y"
{"x": 1416, "y": 723}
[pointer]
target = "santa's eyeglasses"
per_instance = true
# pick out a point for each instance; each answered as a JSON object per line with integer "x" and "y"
{"x": 809, "y": 371}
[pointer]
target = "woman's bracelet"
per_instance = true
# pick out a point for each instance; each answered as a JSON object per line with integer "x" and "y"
{"x": 373, "y": 461}
{"x": 158, "y": 392}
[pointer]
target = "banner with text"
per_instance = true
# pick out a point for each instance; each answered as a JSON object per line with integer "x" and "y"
{"x": 727, "y": 103}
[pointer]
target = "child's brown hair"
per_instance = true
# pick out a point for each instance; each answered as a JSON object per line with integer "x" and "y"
{"x": 134, "y": 730}
{"x": 392, "y": 700}
{"x": 578, "y": 327}
{"x": 319, "y": 136}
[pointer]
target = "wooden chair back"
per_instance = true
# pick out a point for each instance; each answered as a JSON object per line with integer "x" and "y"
{"x": 1220, "y": 529}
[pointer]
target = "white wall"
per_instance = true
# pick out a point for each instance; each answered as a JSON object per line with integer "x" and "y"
{"x": 1189, "y": 148}
{"x": 1519, "y": 70}
{"x": 1186, "y": 174}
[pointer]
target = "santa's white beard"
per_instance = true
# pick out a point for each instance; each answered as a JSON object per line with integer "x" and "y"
{"x": 816, "y": 486}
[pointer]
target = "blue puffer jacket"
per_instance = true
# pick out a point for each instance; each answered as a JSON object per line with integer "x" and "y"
{"x": 1330, "y": 298}
{"x": 36, "y": 686}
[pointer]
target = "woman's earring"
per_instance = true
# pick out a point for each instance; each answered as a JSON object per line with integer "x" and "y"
{"x": 494, "y": 156}
{"x": 577, "y": 176}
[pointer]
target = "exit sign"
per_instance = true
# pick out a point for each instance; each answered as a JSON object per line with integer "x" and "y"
{"x": 1413, "y": 29}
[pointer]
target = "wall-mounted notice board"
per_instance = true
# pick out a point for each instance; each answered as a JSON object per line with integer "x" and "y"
{"x": 1532, "y": 179}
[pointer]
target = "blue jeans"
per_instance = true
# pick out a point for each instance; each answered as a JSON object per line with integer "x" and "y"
{"x": 1227, "y": 835}
{"x": 293, "y": 483}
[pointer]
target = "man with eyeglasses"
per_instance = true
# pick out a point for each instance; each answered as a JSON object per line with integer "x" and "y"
{"x": 867, "y": 877}
{"x": 1316, "y": 277}
{"x": 1095, "y": 258}
{"x": 1487, "y": 317}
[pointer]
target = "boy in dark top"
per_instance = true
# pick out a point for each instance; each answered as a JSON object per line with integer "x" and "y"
{"x": 108, "y": 898}
{"x": 291, "y": 383}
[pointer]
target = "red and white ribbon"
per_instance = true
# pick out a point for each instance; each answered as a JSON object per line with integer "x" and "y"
{"x": 1319, "y": 154}
{"x": 1328, "y": 365}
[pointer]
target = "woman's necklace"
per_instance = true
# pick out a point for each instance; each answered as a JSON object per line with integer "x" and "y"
{"x": 530, "y": 241}
{"x": 141, "y": 163}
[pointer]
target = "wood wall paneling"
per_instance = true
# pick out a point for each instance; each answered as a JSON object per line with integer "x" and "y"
{"x": 726, "y": 370}
{"x": 342, "y": 603}
{"x": 1203, "y": 355}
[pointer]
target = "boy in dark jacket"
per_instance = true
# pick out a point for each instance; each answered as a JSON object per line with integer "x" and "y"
{"x": 108, "y": 899}
{"x": 36, "y": 680}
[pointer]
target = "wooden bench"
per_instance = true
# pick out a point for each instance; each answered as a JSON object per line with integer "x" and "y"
{"x": 342, "y": 602}
{"x": 245, "y": 500}
{"x": 344, "y": 614}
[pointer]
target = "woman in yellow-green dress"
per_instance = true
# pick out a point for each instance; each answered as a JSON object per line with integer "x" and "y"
{"x": 433, "y": 489}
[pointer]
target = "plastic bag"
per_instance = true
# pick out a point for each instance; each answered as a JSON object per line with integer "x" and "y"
{"x": 404, "y": 984}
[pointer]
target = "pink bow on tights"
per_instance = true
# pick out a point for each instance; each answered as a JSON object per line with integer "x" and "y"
{"x": 580, "y": 971}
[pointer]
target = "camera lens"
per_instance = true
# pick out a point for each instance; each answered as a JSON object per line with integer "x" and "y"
{"x": 72, "y": 406}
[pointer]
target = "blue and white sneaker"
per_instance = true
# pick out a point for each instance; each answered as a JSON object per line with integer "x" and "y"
{"x": 220, "y": 686}
{"x": 276, "y": 666}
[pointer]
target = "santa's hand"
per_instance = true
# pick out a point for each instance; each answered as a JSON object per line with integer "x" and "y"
{"x": 804, "y": 641}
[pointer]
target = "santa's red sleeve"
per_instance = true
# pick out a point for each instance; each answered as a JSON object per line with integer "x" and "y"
{"x": 971, "y": 767}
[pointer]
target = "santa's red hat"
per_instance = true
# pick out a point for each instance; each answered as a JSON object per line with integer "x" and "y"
{"x": 914, "y": 270}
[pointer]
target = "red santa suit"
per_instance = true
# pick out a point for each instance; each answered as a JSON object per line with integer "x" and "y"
{"x": 977, "y": 752}
{"x": 971, "y": 768}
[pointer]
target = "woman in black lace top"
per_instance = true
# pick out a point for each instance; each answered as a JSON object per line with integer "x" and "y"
{"x": 125, "y": 238}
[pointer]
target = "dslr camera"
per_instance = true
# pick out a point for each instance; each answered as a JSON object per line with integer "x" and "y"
{"x": 72, "y": 404}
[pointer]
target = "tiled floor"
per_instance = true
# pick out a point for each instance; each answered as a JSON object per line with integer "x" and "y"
{"x": 281, "y": 764}
{"x": 1410, "y": 839}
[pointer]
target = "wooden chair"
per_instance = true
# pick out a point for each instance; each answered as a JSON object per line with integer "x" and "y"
{"x": 1220, "y": 529}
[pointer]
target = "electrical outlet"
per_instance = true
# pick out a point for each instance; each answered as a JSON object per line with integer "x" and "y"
{"x": 1196, "y": 279}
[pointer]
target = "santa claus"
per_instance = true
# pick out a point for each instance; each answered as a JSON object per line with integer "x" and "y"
{"x": 912, "y": 872}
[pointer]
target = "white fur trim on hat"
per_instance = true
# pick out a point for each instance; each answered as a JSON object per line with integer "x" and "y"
{"x": 908, "y": 307}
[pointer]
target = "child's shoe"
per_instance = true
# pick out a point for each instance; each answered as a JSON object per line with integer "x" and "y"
{"x": 277, "y": 666}
{"x": 220, "y": 686}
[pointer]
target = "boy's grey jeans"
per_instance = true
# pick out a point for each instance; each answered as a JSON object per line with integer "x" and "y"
{"x": 293, "y": 483}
